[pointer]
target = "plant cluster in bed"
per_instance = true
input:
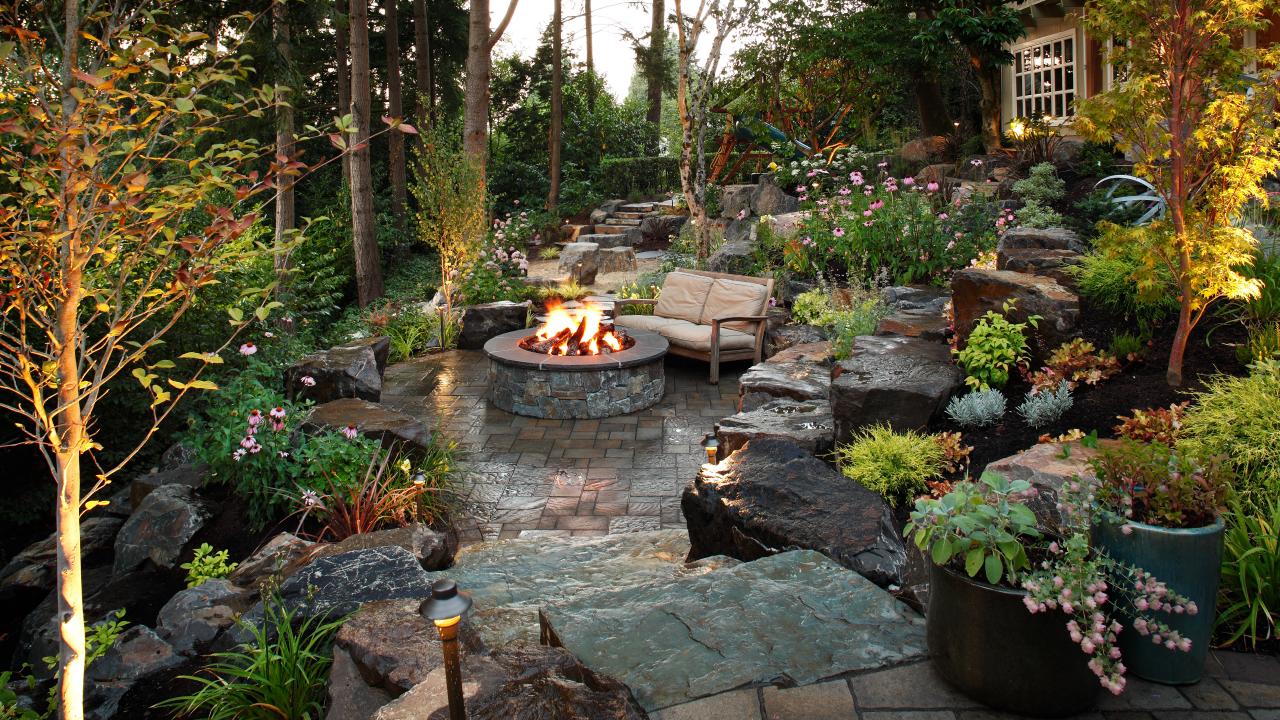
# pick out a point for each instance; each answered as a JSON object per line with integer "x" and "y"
{"x": 994, "y": 349}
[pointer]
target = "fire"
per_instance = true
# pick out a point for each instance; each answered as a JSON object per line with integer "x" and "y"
{"x": 576, "y": 331}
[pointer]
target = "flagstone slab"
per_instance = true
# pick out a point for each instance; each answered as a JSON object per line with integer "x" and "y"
{"x": 790, "y": 619}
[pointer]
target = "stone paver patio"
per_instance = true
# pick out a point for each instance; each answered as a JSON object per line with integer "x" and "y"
{"x": 533, "y": 476}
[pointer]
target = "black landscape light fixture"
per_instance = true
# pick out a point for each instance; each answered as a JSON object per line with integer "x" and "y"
{"x": 445, "y": 608}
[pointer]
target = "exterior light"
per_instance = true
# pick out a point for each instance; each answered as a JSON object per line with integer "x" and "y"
{"x": 419, "y": 480}
{"x": 445, "y": 608}
{"x": 712, "y": 446}
{"x": 1017, "y": 128}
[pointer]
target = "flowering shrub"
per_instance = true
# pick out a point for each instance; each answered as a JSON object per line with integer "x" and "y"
{"x": 1155, "y": 484}
{"x": 1162, "y": 425}
{"x": 865, "y": 226}
{"x": 248, "y": 436}
{"x": 497, "y": 274}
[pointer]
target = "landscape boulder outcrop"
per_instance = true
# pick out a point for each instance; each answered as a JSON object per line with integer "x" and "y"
{"x": 768, "y": 381}
{"x": 772, "y": 495}
{"x": 353, "y": 370}
{"x": 975, "y": 291}
{"x": 487, "y": 320}
{"x": 901, "y": 381}
{"x": 160, "y": 530}
{"x": 805, "y": 423}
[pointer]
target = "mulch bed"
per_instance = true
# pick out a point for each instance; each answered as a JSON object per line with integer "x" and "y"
{"x": 1140, "y": 385}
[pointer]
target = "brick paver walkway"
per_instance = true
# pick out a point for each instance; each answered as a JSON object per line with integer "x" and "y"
{"x": 566, "y": 477}
{"x": 1239, "y": 686}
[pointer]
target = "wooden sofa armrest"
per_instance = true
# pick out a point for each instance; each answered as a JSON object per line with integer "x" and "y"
{"x": 743, "y": 318}
{"x": 623, "y": 302}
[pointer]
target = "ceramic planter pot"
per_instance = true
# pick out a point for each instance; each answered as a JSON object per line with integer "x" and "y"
{"x": 1189, "y": 561}
{"x": 984, "y": 642}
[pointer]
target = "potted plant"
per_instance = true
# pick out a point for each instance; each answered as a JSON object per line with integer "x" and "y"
{"x": 1020, "y": 621}
{"x": 1154, "y": 507}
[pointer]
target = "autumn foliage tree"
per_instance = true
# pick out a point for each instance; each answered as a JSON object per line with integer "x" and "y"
{"x": 1203, "y": 132}
{"x": 121, "y": 198}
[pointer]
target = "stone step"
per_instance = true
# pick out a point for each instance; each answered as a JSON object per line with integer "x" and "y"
{"x": 629, "y": 222}
{"x": 631, "y": 215}
{"x": 796, "y": 615}
{"x": 637, "y": 207}
{"x": 611, "y": 229}
{"x": 510, "y": 580}
{"x": 606, "y": 240}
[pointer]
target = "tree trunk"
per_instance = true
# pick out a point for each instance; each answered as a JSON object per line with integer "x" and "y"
{"x": 989, "y": 84}
{"x": 475, "y": 117}
{"x": 285, "y": 212}
{"x": 931, "y": 106}
{"x": 69, "y": 435}
{"x": 368, "y": 260}
{"x": 342, "y": 28}
{"x": 591, "y": 63}
{"x": 557, "y": 105}
{"x": 422, "y": 63}
{"x": 656, "y": 69}
{"x": 395, "y": 108}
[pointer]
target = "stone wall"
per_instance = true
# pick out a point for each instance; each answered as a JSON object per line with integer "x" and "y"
{"x": 560, "y": 394}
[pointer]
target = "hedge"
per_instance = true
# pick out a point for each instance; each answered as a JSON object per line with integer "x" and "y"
{"x": 622, "y": 177}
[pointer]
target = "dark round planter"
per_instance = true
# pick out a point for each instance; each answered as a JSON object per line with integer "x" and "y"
{"x": 983, "y": 641}
{"x": 1189, "y": 561}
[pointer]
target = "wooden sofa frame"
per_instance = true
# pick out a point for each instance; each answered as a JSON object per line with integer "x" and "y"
{"x": 716, "y": 355}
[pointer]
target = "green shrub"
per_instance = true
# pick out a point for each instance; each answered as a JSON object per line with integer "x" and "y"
{"x": 281, "y": 673}
{"x": 1238, "y": 418}
{"x": 860, "y": 318}
{"x": 643, "y": 288}
{"x": 1046, "y": 406}
{"x": 994, "y": 348}
{"x": 1107, "y": 278}
{"x": 1127, "y": 345}
{"x": 980, "y": 408}
{"x": 622, "y": 177}
{"x": 1249, "y": 599}
{"x": 1038, "y": 192}
{"x": 895, "y": 465}
{"x": 207, "y": 565}
{"x": 814, "y": 307}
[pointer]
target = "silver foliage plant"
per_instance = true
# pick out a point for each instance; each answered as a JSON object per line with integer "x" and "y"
{"x": 1047, "y": 406}
{"x": 977, "y": 409}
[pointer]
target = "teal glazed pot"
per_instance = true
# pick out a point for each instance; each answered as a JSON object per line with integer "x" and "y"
{"x": 983, "y": 641}
{"x": 1189, "y": 562}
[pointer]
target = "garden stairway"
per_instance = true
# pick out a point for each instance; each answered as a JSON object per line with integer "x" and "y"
{"x": 628, "y": 606}
{"x": 615, "y": 230}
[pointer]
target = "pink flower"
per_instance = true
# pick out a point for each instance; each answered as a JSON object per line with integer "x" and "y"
{"x": 931, "y": 186}
{"x": 877, "y": 205}
{"x": 908, "y": 181}
{"x": 867, "y": 213}
{"x": 248, "y": 349}
{"x": 800, "y": 188}
{"x": 349, "y": 432}
{"x": 845, "y": 190}
{"x": 943, "y": 216}
{"x": 838, "y": 232}
{"x": 307, "y": 381}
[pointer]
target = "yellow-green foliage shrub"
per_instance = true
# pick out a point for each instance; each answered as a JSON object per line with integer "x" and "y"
{"x": 895, "y": 465}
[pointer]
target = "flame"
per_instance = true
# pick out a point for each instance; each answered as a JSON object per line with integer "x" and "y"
{"x": 586, "y": 323}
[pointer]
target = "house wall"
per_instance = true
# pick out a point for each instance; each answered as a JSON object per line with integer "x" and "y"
{"x": 1087, "y": 63}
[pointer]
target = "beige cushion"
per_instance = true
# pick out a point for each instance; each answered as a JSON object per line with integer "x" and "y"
{"x": 698, "y": 337}
{"x": 643, "y": 322}
{"x": 682, "y": 296}
{"x": 734, "y": 298}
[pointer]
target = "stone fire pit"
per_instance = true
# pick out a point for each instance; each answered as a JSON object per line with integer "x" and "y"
{"x": 575, "y": 386}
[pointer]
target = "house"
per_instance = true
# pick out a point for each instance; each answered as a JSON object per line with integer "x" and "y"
{"x": 1057, "y": 61}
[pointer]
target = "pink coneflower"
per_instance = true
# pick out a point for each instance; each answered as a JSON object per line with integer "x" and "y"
{"x": 349, "y": 432}
{"x": 908, "y": 181}
{"x": 307, "y": 381}
{"x": 248, "y": 349}
{"x": 277, "y": 419}
{"x": 255, "y": 419}
{"x": 845, "y": 190}
{"x": 838, "y": 231}
{"x": 931, "y": 187}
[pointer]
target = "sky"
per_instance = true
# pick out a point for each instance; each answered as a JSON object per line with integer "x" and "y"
{"x": 610, "y": 19}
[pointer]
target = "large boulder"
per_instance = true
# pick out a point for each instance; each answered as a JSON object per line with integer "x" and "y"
{"x": 769, "y": 381}
{"x": 772, "y": 495}
{"x": 901, "y": 381}
{"x": 787, "y": 225}
{"x": 814, "y": 353}
{"x": 390, "y": 427}
{"x": 353, "y": 370}
{"x": 581, "y": 261}
{"x": 191, "y": 475}
{"x": 619, "y": 259}
{"x": 924, "y": 150}
{"x": 1054, "y": 264}
{"x": 339, "y": 584}
{"x": 33, "y": 572}
{"x": 662, "y": 228}
{"x": 521, "y": 682}
{"x": 978, "y": 290}
{"x": 1048, "y": 466}
{"x": 434, "y": 550}
{"x": 160, "y": 529}
{"x": 269, "y": 561}
{"x": 138, "y": 653}
{"x": 735, "y": 201}
{"x": 915, "y": 323}
{"x": 807, "y": 424}
{"x": 195, "y": 616}
{"x": 350, "y": 697}
{"x": 769, "y": 199}
{"x": 778, "y": 339}
{"x": 916, "y": 298}
{"x": 735, "y": 258}
{"x": 606, "y": 209}
{"x": 392, "y": 644}
{"x": 1022, "y": 238}
{"x": 481, "y": 322}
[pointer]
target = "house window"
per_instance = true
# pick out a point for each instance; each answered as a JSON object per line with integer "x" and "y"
{"x": 1044, "y": 76}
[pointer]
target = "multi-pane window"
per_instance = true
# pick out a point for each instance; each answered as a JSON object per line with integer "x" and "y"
{"x": 1044, "y": 76}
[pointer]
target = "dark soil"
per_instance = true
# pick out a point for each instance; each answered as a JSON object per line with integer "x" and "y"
{"x": 1140, "y": 385}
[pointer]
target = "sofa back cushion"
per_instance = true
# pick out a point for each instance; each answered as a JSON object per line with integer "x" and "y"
{"x": 682, "y": 296}
{"x": 734, "y": 298}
